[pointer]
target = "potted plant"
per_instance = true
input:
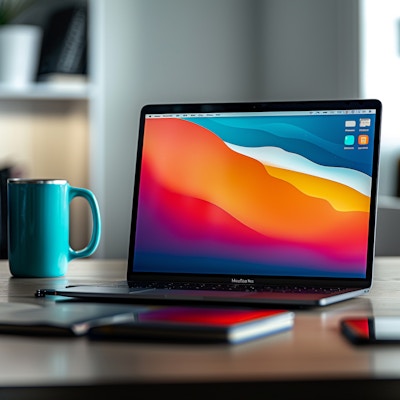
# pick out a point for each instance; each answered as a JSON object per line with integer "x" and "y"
{"x": 19, "y": 44}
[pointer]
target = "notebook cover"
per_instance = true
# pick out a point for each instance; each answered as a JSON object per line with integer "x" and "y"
{"x": 193, "y": 324}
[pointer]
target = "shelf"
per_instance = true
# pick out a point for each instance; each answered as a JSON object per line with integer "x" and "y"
{"x": 46, "y": 91}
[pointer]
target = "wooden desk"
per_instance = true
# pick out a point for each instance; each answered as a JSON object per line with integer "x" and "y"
{"x": 311, "y": 361}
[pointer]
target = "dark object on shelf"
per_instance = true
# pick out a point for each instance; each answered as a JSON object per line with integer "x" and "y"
{"x": 5, "y": 173}
{"x": 64, "y": 45}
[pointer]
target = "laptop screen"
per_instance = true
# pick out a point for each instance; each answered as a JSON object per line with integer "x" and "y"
{"x": 272, "y": 189}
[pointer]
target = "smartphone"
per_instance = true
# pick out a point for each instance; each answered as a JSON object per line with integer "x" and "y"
{"x": 371, "y": 330}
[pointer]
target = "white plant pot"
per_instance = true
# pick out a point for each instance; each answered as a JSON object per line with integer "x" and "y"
{"x": 19, "y": 54}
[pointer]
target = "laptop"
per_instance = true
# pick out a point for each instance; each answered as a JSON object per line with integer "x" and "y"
{"x": 267, "y": 204}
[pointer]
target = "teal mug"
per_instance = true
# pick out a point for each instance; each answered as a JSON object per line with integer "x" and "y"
{"x": 38, "y": 226}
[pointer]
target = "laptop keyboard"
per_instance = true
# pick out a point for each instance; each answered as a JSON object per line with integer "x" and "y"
{"x": 237, "y": 288}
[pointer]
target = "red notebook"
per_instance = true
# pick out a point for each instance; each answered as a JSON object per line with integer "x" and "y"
{"x": 180, "y": 323}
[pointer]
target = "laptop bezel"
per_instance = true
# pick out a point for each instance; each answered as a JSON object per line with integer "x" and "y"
{"x": 366, "y": 282}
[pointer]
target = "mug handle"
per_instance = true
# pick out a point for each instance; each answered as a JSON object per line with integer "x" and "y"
{"x": 96, "y": 231}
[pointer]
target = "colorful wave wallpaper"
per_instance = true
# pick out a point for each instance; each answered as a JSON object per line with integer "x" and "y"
{"x": 252, "y": 196}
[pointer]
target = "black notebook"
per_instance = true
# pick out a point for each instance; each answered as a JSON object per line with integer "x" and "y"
{"x": 252, "y": 203}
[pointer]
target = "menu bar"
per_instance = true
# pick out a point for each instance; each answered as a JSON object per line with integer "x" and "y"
{"x": 263, "y": 113}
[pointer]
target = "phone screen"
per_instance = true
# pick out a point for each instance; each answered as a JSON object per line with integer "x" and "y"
{"x": 371, "y": 330}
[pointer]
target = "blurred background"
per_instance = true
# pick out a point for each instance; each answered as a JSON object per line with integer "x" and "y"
{"x": 99, "y": 61}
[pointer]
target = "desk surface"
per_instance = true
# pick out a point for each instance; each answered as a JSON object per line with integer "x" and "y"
{"x": 311, "y": 357}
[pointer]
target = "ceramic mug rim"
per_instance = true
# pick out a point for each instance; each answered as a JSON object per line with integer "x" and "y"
{"x": 46, "y": 181}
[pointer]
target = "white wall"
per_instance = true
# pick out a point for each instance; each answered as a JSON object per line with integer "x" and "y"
{"x": 309, "y": 49}
{"x": 380, "y": 49}
{"x": 204, "y": 51}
